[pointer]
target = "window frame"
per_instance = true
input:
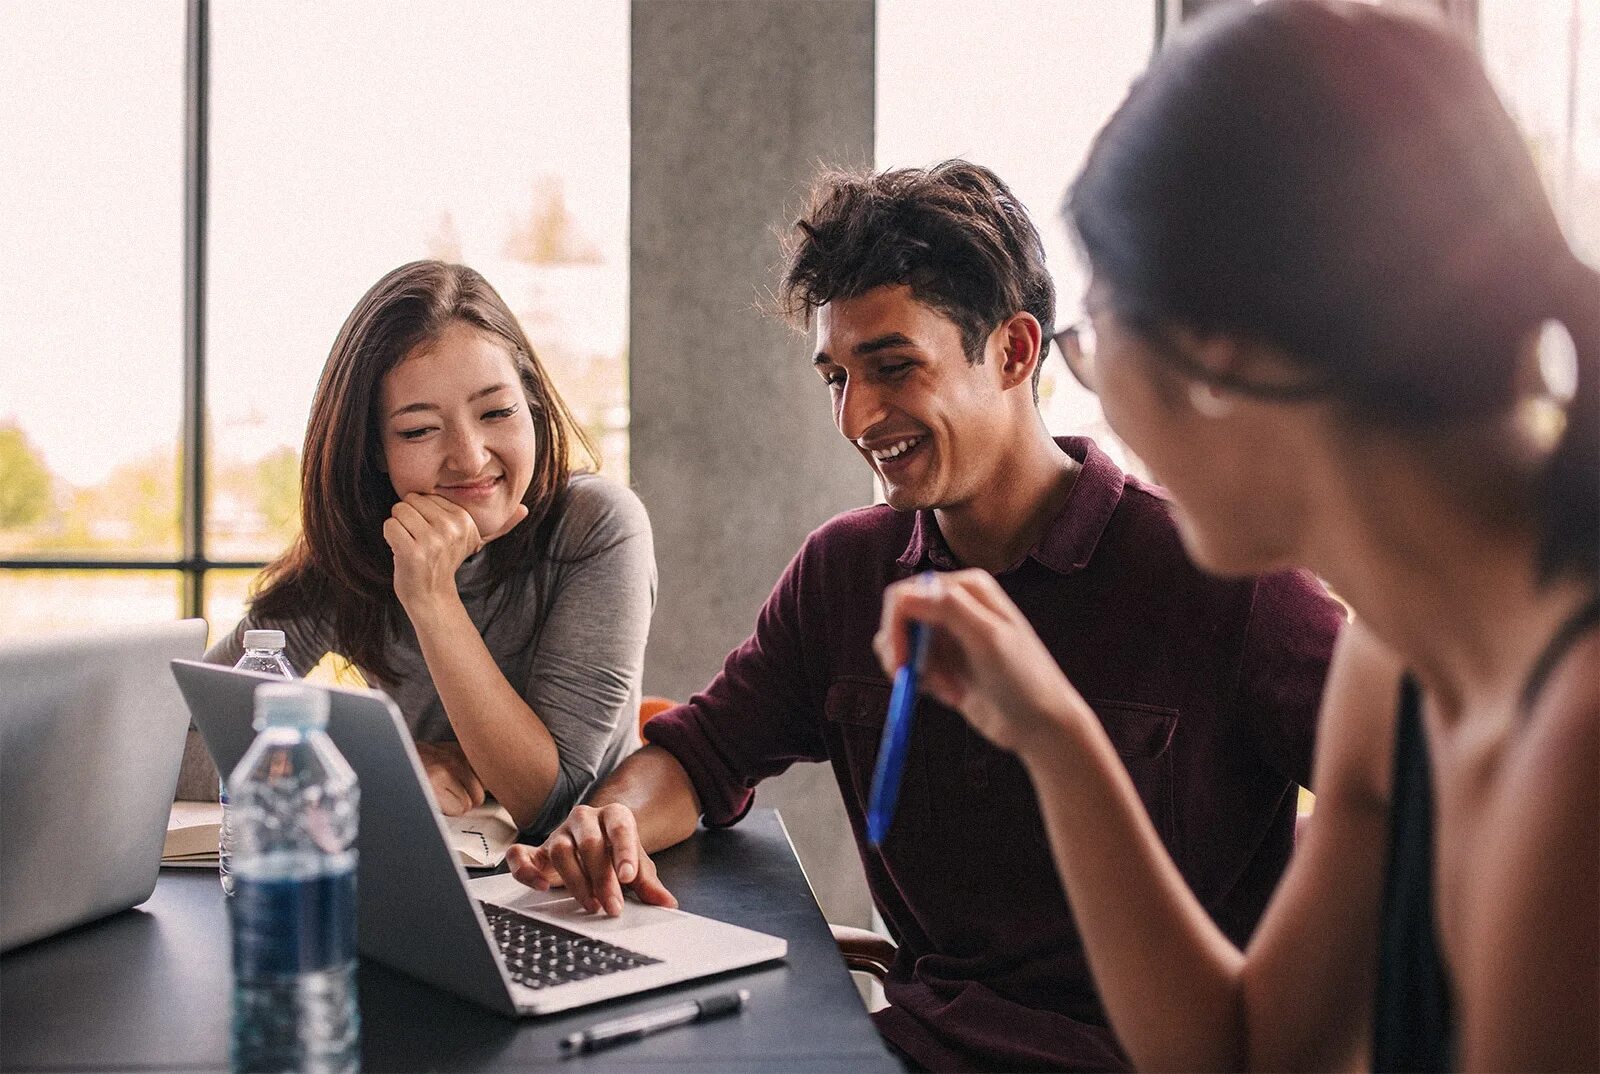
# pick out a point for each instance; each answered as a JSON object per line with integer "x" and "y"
{"x": 192, "y": 564}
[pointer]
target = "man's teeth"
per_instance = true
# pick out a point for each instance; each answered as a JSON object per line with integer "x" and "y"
{"x": 895, "y": 450}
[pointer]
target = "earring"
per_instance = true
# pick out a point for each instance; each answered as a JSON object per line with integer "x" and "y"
{"x": 1558, "y": 362}
{"x": 1543, "y": 421}
{"x": 1541, "y": 416}
{"x": 1209, "y": 401}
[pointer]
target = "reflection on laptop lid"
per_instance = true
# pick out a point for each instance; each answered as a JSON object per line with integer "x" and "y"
{"x": 495, "y": 942}
{"x": 91, "y": 736}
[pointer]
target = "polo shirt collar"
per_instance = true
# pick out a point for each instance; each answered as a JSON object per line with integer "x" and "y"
{"x": 1068, "y": 542}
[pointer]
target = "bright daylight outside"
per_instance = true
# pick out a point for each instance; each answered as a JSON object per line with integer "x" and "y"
{"x": 346, "y": 141}
{"x": 343, "y": 143}
{"x": 1025, "y": 93}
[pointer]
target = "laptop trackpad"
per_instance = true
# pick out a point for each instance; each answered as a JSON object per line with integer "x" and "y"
{"x": 635, "y": 915}
{"x": 561, "y": 908}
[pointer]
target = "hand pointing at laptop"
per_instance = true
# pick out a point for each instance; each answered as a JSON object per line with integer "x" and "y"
{"x": 596, "y": 854}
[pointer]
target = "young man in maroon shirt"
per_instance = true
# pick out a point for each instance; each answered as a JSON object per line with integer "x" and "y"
{"x": 932, "y": 308}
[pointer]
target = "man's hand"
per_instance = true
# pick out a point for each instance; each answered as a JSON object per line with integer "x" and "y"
{"x": 596, "y": 853}
{"x": 455, "y": 784}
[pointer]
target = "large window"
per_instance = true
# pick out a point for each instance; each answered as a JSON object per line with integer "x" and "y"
{"x": 91, "y": 346}
{"x": 342, "y": 140}
{"x": 1545, "y": 60}
{"x": 1020, "y": 86}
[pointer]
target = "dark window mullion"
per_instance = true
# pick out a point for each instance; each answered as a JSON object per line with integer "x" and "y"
{"x": 196, "y": 118}
{"x": 189, "y": 566}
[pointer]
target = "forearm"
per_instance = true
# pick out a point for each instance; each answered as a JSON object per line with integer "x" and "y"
{"x": 654, "y": 786}
{"x": 1169, "y": 978}
{"x": 504, "y": 740}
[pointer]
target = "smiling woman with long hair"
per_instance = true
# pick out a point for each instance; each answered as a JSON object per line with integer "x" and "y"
{"x": 452, "y": 554}
{"x": 1335, "y": 315}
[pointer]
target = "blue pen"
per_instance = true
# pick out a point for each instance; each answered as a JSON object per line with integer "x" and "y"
{"x": 896, "y": 736}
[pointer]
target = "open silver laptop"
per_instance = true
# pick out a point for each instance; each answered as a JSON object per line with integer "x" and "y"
{"x": 91, "y": 736}
{"x": 491, "y": 940}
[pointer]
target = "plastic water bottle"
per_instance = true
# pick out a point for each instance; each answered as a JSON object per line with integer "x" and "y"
{"x": 263, "y": 651}
{"x": 296, "y": 808}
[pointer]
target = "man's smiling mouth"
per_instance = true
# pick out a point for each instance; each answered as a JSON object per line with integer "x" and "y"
{"x": 894, "y": 454}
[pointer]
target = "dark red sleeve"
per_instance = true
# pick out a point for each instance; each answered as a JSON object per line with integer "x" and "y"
{"x": 1288, "y": 642}
{"x": 758, "y": 716}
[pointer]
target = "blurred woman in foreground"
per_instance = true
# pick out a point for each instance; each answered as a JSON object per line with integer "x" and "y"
{"x": 1332, "y": 310}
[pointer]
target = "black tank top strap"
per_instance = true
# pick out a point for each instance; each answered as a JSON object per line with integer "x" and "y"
{"x": 1414, "y": 1016}
{"x": 1565, "y": 637}
{"x": 1413, "y": 1012}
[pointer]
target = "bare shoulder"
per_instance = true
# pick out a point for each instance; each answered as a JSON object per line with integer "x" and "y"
{"x": 1567, "y": 714}
{"x": 1553, "y": 761}
{"x": 1529, "y": 965}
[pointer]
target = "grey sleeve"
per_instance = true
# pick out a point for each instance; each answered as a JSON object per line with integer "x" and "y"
{"x": 197, "y": 776}
{"x": 583, "y": 681}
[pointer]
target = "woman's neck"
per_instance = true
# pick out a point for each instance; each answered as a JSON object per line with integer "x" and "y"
{"x": 1457, "y": 598}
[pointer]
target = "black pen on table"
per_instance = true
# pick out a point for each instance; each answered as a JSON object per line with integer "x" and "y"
{"x": 634, "y": 1026}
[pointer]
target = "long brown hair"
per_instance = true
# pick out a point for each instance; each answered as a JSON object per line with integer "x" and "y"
{"x": 339, "y": 571}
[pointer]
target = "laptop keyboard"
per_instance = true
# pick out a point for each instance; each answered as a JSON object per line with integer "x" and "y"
{"x": 541, "y": 955}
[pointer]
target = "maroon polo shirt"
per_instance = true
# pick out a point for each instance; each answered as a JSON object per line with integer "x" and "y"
{"x": 1207, "y": 687}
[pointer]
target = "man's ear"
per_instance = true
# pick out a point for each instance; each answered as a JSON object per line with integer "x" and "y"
{"x": 1018, "y": 338}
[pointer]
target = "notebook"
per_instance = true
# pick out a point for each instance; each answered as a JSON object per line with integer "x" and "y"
{"x": 480, "y": 837}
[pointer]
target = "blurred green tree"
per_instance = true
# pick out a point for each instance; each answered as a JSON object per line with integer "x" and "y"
{"x": 444, "y": 243}
{"x": 134, "y": 511}
{"x": 26, "y": 485}
{"x": 277, "y": 484}
{"x": 548, "y": 235}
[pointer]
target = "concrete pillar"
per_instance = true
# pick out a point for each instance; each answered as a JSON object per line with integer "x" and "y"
{"x": 734, "y": 105}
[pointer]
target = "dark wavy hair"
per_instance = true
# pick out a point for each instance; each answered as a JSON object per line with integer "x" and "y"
{"x": 339, "y": 570}
{"x": 1343, "y": 183}
{"x": 953, "y": 233}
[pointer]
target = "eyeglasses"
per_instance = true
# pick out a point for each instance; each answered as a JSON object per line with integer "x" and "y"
{"x": 1077, "y": 342}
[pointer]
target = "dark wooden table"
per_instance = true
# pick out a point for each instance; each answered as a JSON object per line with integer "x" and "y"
{"x": 149, "y": 989}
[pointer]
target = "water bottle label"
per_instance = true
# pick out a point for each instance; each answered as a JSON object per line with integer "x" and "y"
{"x": 292, "y": 925}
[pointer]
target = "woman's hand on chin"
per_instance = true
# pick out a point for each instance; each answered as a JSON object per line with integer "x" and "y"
{"x": 983, "y": 660}
{"x": 430, "y": 537}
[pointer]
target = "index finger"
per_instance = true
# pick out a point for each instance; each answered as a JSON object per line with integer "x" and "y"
{"x": 893, "y": 641}
{"x": 473, "y": 787}
{"x": 430, "y": 506}
{"x": 447, "y": 791}
{"x": 443, "y": 508}
{"x": 622, "y": 836}
{"x": 532, "y": 866}
{"x": 950, "y": 604}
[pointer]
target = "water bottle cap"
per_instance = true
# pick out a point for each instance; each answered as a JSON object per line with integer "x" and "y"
{"x": 290, "y": 704}
{"x": 263, "y": 639}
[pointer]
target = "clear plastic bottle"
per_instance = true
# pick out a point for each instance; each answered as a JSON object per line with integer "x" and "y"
{"x": 263, "y": 651}
{"x": 296, "y": 808}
